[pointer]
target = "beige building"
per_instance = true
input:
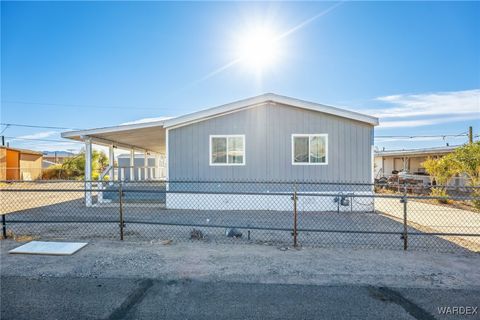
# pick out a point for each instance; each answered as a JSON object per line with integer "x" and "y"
{"x": 20, "y": 164}
{"x": 409, "y": 162}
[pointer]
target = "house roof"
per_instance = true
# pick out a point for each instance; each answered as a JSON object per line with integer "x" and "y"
{"x": 149, "y": 136}
{"x": 264, "y": 98}
{"x": 412, "y": 152}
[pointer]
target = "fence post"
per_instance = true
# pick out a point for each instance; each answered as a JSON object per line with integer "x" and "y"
{"x": 120, "y": 197}
{"x": 4, "y": 226}
{"x": 405, "y": 226}
{"x": 294, "y": 233}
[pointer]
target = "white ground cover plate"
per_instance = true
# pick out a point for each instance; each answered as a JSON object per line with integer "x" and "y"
{"x": 49, "y": 248}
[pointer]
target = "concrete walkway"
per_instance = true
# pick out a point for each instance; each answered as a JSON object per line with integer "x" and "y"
{"x": 432, "y": 218}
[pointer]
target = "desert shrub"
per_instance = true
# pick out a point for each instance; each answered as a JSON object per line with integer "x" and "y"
{"x": 440, "y": 171}
{"x": 74, "y": 168}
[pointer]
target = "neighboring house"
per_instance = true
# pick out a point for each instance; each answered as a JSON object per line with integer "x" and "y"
{"x": 20, "y": 164}
{"x": 57, "y": 157}
{"x": 267, "y": 138}
{"x": 388, "y": 163}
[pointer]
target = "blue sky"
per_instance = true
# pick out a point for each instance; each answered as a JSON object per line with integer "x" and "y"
{"x": 83, "y": 65}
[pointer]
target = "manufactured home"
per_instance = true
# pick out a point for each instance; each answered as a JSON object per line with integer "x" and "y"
{"x": 268, "y": 138}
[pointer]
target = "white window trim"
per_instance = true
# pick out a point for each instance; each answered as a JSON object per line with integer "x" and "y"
{"x": 309, "y": 136}
{"x": 227, "y": 136}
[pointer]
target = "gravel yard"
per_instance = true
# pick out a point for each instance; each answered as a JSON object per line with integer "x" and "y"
{"x": 57, "y": 214}
{"x": 72, "y": 220}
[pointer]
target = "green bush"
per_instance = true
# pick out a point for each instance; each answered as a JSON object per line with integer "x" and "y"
{"x": 74, "y": 168}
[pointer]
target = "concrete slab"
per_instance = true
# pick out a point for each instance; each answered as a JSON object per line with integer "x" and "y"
{"x": 49, "y": 248}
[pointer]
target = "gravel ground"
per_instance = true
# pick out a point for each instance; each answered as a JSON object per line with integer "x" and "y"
{"x": 128, "y": 280}
{"x": 150, "y": 222}
{"x": 251, "y": 263}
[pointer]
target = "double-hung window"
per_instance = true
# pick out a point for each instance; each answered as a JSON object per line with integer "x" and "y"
{"x": 309, "y": 149}
{"x": 227, "y": 150}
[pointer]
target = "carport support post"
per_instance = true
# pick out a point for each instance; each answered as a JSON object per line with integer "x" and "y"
{"x": 132, "y": 164}
{"x": 145, "y": 165}
{"x": 111, "y": 161}
{"x": 88, "y": 172}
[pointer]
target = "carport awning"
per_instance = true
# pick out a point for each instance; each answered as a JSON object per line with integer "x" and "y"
{"x": 149, "y": 137}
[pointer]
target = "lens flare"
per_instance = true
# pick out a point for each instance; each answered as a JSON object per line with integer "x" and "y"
{"x": 258, "y": 48}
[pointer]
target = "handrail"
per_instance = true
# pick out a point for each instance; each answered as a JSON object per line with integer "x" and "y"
{"x": 105, "y": 172}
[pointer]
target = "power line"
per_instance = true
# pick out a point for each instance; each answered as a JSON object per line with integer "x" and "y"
{"x": 426, "y": 136}
{"x": 83, "y": 105}
{"x": 34, "y": 126}
{"x": 6, "y": 127}
{"x": 46, "y": 140}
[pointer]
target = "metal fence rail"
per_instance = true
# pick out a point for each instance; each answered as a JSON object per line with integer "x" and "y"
{"x": 277, "y": 213}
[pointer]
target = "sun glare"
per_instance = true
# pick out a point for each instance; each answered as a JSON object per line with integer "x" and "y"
{"x": 258, "y": 48}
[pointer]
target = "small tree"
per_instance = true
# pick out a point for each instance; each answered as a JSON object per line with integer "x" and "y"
{"x": 466, "y": 160}
{"x": 75, "y": 167}
{"x": 440, "y": 171}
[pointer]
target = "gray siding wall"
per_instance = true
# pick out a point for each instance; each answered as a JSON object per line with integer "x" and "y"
{"x": 268, "y": 133}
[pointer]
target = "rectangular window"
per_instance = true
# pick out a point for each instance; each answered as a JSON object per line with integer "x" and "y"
{"x": 227, "y": 150}
{"x": 309, "y": 149}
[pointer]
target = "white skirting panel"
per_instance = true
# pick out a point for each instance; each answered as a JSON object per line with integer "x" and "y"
{"x": 305, "y": 202}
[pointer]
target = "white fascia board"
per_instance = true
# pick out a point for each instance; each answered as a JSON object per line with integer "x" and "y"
{"x": 215, "y": 111}
{"x": 325, "y": 109}
{"x": 419, "y": 152}
{"x": 265, "y": 98}
{"x": 89, "y": 132}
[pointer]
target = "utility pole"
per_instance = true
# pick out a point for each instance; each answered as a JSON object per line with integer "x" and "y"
{"x": 3, "y": 140}
{"x": 470, "y": 135}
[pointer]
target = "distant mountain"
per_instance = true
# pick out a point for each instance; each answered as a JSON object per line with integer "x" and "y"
{"x": 59, "y": 153}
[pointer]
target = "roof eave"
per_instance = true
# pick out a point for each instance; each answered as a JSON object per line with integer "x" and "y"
{"x": 89, "y": 132}
{"x": 267, "y": 98}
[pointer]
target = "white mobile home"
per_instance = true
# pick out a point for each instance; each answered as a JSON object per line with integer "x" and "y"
{"x": 265, "y": 138}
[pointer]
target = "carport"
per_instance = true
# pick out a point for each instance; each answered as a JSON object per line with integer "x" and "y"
{"x": 148, "y": 138}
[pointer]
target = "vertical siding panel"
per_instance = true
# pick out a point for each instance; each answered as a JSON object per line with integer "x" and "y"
{"x": 333, "y": 151}
{"x": 285, "y": 142}
{"x": 349, "y": 154}
{"x": 263, "y": 127}
{"x": 360, "y": 162}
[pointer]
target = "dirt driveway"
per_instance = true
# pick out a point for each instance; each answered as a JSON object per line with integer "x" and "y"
{"x": 23, "y": 200}
{"x": 432, "y": 218}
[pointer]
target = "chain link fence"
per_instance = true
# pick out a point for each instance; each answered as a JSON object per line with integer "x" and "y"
{"x": 272, "y": 213}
